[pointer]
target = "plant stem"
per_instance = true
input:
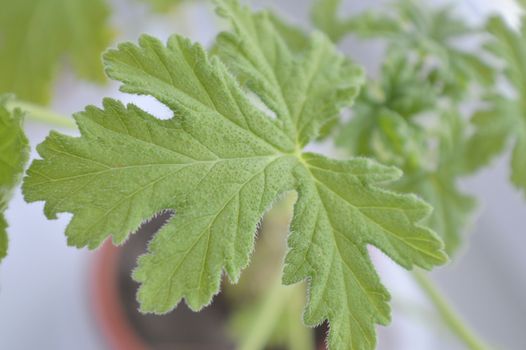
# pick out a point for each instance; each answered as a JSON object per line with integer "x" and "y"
{"x": 450, "y": 317}
{"x": 42, "y": 114}
{"x": 271, "y": 310}
{"x": 300, "y": 336}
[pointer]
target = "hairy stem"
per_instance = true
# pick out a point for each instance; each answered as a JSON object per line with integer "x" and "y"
{"x": 42, "y": 114}
{"x": 450, "y": 317}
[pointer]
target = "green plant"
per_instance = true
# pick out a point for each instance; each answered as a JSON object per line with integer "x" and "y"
{"x": 503, "y": 120}
{"x": 243, "y": 113}
{"x": 412, "y": 115}
{"x": 220, "y": 162}
{"x": 13, "y": 157}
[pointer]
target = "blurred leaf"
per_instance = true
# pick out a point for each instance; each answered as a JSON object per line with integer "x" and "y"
{"x": 408, "y": 20}
{"x": 391, "y": 139}
{"x": 409, "y": 117}
{"x": 493, "y": 127}
{"x": 417, "y": 31}
{"x": 438, "y": 185}
{"x": 386, "y": 126}
{"x": 505, "y": 118}
{"x": 36, "y": 34}
{"x": 14, "y": 153}
{"x": 384, "y": 121}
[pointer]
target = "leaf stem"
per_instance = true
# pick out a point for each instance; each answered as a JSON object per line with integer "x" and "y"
{"x": 450, "y": 317}
{"x": 271, "y": 310}
{"x": 42, "y": 114}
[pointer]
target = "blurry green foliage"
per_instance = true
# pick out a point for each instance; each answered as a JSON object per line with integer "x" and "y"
{"x": 14, "y": 153}
{"x": 36, "y": 34}
{"x": 411, "y": 115}
{"x": 427, "y": 35}
{"x": 221, "y": 161}
{"x": 503, "y": 120}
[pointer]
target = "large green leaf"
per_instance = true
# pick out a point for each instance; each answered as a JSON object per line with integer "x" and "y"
{"x": 37, "y": 34}
{"x": 222, "y": 161}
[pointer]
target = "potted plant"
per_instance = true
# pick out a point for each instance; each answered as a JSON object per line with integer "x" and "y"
{"x": 195, "y": 188}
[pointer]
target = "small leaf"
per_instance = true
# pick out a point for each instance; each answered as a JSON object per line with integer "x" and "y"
{"x": 493, "y": 126}
{"x": 504, "y": 120}
{"x": 14, "y": 153}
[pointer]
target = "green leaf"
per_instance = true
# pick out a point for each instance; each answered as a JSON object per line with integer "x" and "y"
{"x": 325, "y": 15}
{"x": 437, "y": 185}
{"x": 493, "y": 126}
{"x": 14, "y": 153}
{"x": 305, "y": 93}
{"x": 36, "y": 34}
{"x": 451, "y": 207}
{"x": 341, "y": 209}
{"x": 392, "y": 140}
{"x": 222, "y": 161}
{"x": 504, "y": 120}
{"x": 384, "y": 124}
{"x": 408, "y": 20}
{"x": 3, "y": 238}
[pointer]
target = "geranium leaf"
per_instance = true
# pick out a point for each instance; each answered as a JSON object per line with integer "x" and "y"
{"x": 221, "y": 161}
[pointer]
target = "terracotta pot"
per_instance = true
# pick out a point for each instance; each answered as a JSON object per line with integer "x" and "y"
{"x": 124, "y": 328}
{"x": 107, "y": 303}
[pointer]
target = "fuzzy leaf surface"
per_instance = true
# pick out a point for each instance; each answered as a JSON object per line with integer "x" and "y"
{"x": 222, "y": 161}
{"x": 36, "y": 34}
{"x": 14, "y": 153}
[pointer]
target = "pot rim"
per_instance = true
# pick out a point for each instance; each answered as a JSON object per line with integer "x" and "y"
{"x": 107, "y": 306}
